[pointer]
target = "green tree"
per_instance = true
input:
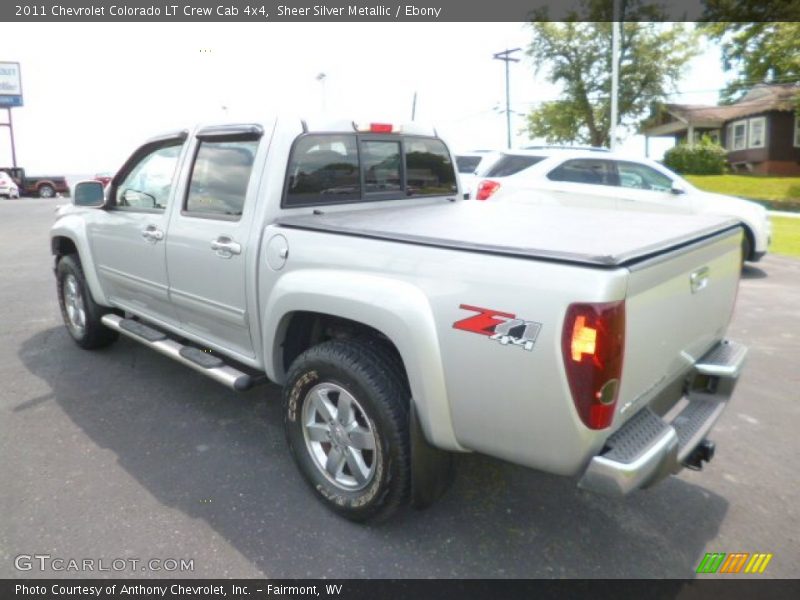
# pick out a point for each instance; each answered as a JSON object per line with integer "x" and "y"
{"x": 577, "y": 56}
{"x": 757, "y": 53}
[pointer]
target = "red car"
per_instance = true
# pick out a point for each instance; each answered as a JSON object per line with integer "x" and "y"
{"x": 104, "y": 178}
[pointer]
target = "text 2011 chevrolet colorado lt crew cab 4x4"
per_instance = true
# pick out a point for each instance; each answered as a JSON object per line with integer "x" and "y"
{"x": 404, "y": 322}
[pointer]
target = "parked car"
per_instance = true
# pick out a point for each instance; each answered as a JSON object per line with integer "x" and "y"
{"x": 8, "y": 189}
{"x": 407, "y": 327}
{"x": 607, "y": 180}
{"x": 104, "y": 178}
{"x": 468, "y": 164}
{"x": 44, "y": 186}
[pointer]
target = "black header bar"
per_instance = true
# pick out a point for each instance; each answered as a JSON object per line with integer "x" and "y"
{"x": 392, "y": 10}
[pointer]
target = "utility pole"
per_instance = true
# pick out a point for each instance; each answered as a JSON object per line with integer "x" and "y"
{"x": 505, "y": 56}
{"x": 612, "y": 130}
{"x": 414, "y": 107}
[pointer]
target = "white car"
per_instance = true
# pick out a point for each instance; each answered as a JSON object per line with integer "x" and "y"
{"x": 592, "y": 179}
{"x": 8, "y": 189}
{"x": 468, "y": 164}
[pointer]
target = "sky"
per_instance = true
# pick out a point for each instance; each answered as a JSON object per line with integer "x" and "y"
{"x": 94, "y": 91}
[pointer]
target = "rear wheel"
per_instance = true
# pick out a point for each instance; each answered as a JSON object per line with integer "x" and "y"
{"x": 346, "y": 419}
{"x": 80, "y": 312}
{"x": 46, "y": 191}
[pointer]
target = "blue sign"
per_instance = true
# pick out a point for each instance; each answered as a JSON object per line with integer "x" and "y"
{"x": 9, "y": 101}
{"x": 10, "y": 85}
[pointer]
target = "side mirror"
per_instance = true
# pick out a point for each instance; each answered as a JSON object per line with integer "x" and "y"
{"x": 89, "y": 193}
{"x": 677, "y": 188}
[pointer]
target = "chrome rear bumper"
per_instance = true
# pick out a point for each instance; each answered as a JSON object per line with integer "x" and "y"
{"x": 647, "y": 447}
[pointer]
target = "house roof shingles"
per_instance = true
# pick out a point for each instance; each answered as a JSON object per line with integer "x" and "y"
{"x": 759, "y": 99}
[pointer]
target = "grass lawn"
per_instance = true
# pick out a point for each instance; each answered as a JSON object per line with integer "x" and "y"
{"x": 785, "y": 236}
{"x": 749, "y": 186}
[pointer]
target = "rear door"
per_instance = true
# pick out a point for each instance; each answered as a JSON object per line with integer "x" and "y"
{"x": 211, "y": 238}
{"x": 583, "y": 183}
{"x": 128, "y": 239}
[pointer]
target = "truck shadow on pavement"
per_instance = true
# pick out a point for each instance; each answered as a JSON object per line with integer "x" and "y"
{"x": 221, "y": 457}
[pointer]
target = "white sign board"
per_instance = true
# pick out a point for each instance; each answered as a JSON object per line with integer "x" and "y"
{"x": 10, "y": 84}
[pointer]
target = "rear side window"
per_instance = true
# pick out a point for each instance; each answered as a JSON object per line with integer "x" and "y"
{"x": 323, "y": 169}
{"x": 220, "y": 175}
{"x": 337, "y": 168}
{"x": 509, "y": 164}
{"x": 467, "y": 164}
{"x": 592, "y": 172}
{"x": 429, "y": 170}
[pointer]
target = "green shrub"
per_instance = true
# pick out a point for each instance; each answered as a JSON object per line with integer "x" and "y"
{"x": 705, "y": 158}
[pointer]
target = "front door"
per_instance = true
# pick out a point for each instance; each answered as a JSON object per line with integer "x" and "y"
{"x": 209, "y": 242}
{"x": 128, "y": 239}
{"x": 646, "y": 189}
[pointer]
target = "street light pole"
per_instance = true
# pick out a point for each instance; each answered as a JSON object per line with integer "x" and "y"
{"x": 321, "y": 78}
{"x": 614, "y": 75}
{"x": 505, "y": 56}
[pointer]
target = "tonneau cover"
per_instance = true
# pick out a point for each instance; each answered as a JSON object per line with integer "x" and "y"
{"x": 587, "y": 236}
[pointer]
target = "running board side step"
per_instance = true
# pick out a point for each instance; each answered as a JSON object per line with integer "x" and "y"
{"x": 204, "y": 363}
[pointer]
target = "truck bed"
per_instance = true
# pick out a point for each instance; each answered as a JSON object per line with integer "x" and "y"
{"x": 598, "y": 237}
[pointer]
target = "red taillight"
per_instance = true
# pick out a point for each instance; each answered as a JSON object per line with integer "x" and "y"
{"x": 593, "y": 345}
{"x": 486, "y": 188}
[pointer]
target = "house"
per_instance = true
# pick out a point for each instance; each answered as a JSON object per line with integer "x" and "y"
{"x": 761, "y": 131}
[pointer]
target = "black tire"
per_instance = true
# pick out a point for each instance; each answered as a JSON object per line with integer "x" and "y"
{"x": 747, "y": 247}
{"x": 93, "y": 334}
{"x": 46, "y": 191}
{"x": 371, "y": 376}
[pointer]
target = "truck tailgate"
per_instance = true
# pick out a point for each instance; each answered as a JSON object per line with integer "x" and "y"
{"x": 678, "y": 306}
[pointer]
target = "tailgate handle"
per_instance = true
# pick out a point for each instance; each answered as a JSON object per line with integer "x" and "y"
{"x": 698, "y": 280}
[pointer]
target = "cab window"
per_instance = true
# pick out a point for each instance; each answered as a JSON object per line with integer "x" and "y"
{"x": 148, "y": 185}
{"x": 323, "y": 169}
{"x": 219, "y": 179}
{"x": 429, "y": 169}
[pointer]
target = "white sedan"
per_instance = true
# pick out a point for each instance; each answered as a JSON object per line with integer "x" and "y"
{"x": 600, "y": 179}
{"x": 8, "y": 189}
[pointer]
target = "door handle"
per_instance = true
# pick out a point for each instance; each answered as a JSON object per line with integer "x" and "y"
{"x": 225, "y": 247}
{"x": 152, "y": 234}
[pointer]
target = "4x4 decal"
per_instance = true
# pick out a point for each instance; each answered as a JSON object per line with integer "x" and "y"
{"x": 502, "y": 327}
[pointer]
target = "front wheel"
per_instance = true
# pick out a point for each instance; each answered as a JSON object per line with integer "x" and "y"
{"x": 46, "y": 191}
{"x": 346, "y": 419}
{"x": 747, "y": 248}
{"x": 80, "y": 312}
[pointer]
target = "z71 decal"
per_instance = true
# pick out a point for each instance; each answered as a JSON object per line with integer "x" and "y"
{"x": 502, "y": 327}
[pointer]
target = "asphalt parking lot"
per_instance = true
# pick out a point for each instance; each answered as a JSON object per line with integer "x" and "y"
{"x": 123, "y": 453}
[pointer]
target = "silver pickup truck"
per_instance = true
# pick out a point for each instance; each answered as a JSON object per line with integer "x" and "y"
{"x": 404, "y": 322}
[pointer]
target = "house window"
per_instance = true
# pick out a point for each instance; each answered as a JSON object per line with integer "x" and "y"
{"x": 739, "y": 137}
{"x": 757, "y": 132}
{"x": 797, "y": 130}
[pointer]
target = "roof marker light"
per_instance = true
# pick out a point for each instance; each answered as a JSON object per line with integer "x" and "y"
{"x": 378, "y": 127}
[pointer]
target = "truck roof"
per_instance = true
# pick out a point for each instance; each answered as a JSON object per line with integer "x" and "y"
{"x": 586, "y": 236}
{"x": 312, "y": 124}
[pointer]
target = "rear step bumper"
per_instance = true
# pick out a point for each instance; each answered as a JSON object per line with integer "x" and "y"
{"x": 647, "y": 447}
{"x": 190, "y": 356}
